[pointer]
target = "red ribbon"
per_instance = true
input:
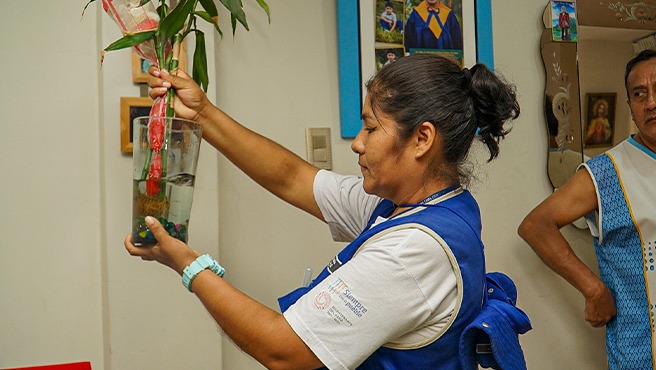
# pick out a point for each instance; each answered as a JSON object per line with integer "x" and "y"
{"x": 156, "y": 129}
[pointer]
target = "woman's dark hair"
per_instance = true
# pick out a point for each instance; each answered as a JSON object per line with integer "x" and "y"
{"x": 458, "y": 102}
{"x": 641, "y": 57}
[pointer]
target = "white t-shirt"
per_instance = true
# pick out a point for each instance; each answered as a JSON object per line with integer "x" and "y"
{"x": 390, "y": 17}
{"x": 399, "y": 290}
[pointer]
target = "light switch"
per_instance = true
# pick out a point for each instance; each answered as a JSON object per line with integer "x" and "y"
{"x": 318, "y": 147}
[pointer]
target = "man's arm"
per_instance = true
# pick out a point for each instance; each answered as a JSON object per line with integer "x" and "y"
{"x": 541, "y": 230}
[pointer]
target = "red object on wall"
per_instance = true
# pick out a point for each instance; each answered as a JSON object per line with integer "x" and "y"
{"x": 72, "y": 366}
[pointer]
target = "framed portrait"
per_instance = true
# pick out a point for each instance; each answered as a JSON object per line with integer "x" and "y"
{"x": 140, "y": 66}
{"x": 563, "y": 21}
{"x": 600, "y": 119}
{"x": 372, "y": 33}
{"x": 130, "y": 109}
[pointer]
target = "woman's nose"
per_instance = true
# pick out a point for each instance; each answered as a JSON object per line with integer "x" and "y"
{"x": 357, "y": 145}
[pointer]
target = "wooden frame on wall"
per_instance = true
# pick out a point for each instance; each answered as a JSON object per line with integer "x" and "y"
{"x": 132, "y": 107}
{"x": 140, "y": 66}
{"x": 350, "y": 42}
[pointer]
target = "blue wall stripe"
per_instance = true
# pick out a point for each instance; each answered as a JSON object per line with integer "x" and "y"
{"x": 348, "y": 39}
{"x": 484, "y": 39}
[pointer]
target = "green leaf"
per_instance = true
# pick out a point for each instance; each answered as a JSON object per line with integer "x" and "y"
{"x": 210, "y": 8}
{"x": 175, "y": 20}
{"x": 199, "y": 70}
{"x": 162, "y": 10}
{"x": 233, "y": 22}
{"x": 85, "y": 7}
{"x": 130, "y": 40}
{"x": 264, "y": 6}
{"x": 207, "y": 17}
{"x": 236, "y": 12}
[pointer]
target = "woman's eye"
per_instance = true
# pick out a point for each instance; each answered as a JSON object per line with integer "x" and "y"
{"x": 370, "y": 129}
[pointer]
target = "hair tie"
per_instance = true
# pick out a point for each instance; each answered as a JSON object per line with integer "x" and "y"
{"x": 467, "y": 73}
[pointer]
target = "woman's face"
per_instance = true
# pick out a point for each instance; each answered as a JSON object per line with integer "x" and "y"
{"x": 382, "y": 159}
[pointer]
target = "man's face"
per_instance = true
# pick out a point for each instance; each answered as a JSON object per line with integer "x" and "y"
{"x": 641, "y": 87}
{"x": 601, "y": 110}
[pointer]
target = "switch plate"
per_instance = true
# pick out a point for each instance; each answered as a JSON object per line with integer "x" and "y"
{"x": 319, "y": 151}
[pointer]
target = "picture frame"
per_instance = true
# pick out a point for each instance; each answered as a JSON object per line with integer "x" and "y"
{"x": 140, "y": 66}
{"x": 600, "y": 120}
{"x": 563, "y": 21}
{"x": 132, "y": 107}
{"x": 357, "y": 45}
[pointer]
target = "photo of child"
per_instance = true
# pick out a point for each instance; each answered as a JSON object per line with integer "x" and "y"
{"x": 389, "y": 23}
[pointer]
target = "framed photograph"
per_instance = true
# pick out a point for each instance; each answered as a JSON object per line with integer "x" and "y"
{"x": 600, "y": 119}
{"x": 140, "y": 66}
{"x": 130, "y": 109}
{"x": 370, "y": 31}
{"x": 387, "y": 56}
{"x": 563, "y": 21}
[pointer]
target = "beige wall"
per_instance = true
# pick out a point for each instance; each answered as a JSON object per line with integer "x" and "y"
{"x": 69, "y": 290}
{"x": 602, "y": 64}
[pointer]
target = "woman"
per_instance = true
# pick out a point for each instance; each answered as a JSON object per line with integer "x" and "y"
{"x": 415, "y": 263}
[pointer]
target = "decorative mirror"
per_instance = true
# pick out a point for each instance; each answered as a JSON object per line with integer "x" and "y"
{"x": 585, "y": 98}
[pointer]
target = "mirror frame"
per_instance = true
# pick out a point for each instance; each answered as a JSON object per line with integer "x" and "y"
{"x": 562, "y": 85}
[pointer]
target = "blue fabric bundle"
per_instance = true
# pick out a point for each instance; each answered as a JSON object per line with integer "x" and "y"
{"x": 492, "y": 339}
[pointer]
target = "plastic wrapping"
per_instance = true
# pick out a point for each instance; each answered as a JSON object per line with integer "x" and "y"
{"x": 131, "y": 17}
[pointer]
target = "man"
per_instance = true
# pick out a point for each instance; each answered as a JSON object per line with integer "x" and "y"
{"x": 432, "y": 25}
{"x": 616, "y": 192}
{"x": 564, "y": 24}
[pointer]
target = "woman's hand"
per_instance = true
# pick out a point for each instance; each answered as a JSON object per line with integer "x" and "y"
{"x": 168, "y": 251}
{"x": 190, "y": 102}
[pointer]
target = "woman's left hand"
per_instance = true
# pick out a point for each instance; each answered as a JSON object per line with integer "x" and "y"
{"x": 168, "y": 251}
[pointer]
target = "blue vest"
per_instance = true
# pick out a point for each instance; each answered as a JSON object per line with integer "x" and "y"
{"x": 457, "y": 221}
{"x": 621, "y": 266}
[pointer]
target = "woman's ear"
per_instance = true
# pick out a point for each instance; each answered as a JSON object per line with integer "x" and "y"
{"x": 426, "y": 139}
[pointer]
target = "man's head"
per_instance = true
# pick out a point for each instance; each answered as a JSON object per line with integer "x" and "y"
{"x": 641, "y": 57}
{"x": 640, "y": 83}
{"x": 601, "y": 107}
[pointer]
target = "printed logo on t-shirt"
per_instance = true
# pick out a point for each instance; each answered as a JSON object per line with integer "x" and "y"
{"x": 340, "y": 290}
{"x": 322, "y": 300}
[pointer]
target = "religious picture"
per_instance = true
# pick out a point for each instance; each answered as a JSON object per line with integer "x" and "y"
{"x": 563, "y": 21}
{"x": 600, "y": 119}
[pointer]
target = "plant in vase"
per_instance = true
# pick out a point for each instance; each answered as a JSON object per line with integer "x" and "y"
{"x": 156, "y": 29}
